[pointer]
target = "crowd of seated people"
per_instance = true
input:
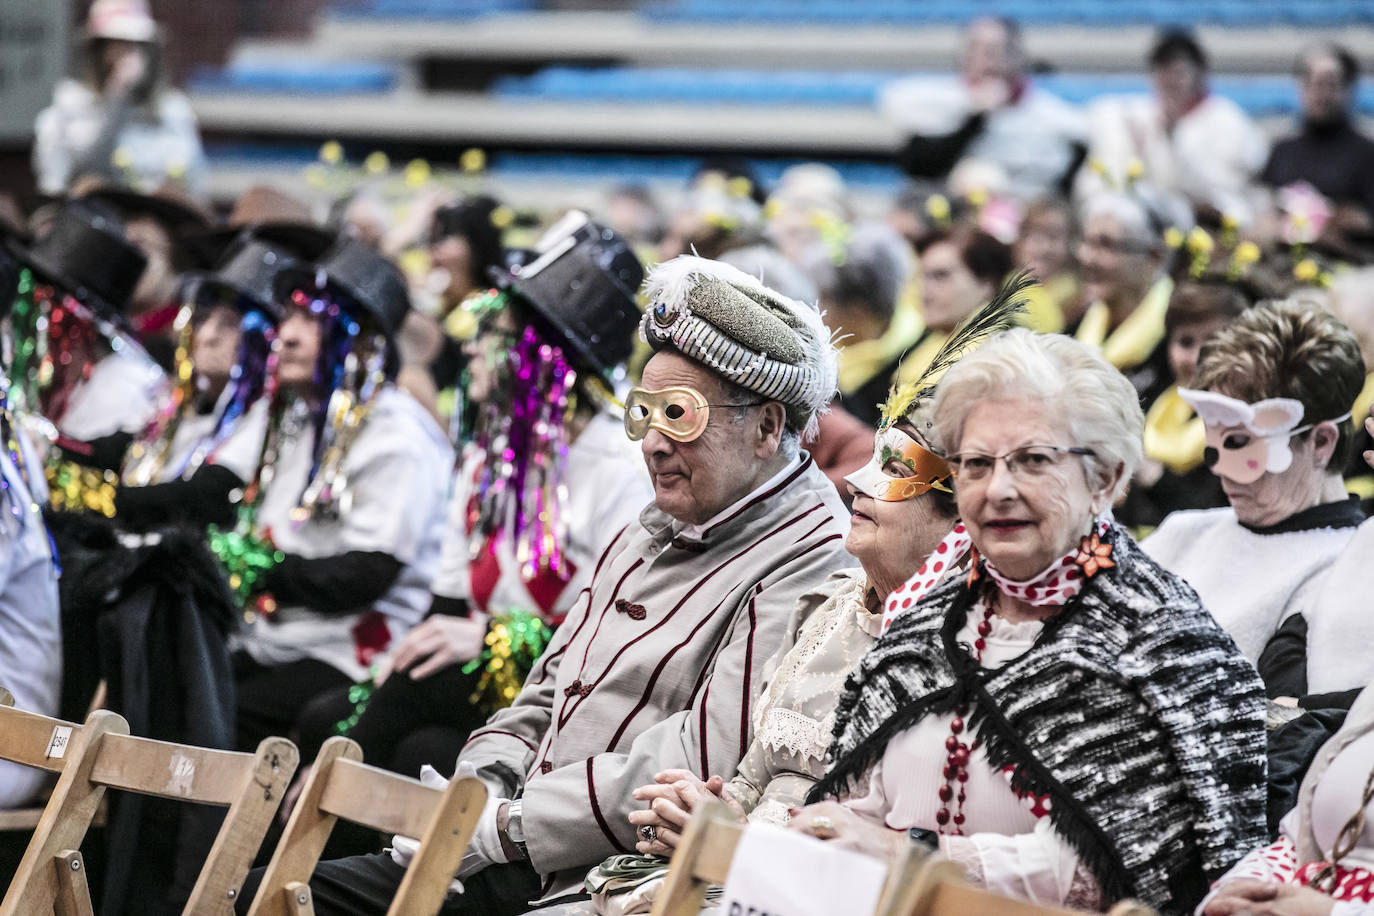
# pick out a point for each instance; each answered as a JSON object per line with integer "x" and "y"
{"x": 1025, "y": 522}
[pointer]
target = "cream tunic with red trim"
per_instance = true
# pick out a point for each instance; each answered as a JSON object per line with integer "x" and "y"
{"x": 657, "y": 665}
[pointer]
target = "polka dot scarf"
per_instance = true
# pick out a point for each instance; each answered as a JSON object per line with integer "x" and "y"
{"x": 1055, "y": 585}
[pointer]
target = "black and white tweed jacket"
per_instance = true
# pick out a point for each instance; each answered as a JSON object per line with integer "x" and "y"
{"x": 1133, "y": 711}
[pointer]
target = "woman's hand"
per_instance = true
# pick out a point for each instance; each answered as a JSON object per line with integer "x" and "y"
{"x": 834, "y": 823}
{"x": 673, "y": 797}
{"x": 438, "y": 642}
{"x": 1265, "y": 898}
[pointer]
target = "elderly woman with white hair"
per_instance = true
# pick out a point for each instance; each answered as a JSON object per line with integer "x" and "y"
{"x": 1067, "y": 720}
{"x": 1126, "y": 288}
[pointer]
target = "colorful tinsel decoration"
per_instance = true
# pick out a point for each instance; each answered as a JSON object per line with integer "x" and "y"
{"x": 358, "y": 695}
{"x": 147, "y": 456}
{"x": 58, "y": 341}
{"x": 75, "y": 487}
{"x": 521, "y": 489}
{"x": 247, "y": 557}
{"x": 515, "y": 640}
{"x": 247, "y": 554}
{"x": 247, "y": 380}
{"x": 9, "y": 439}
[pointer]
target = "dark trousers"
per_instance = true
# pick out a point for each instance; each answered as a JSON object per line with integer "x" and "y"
{"x": 366, "y": 885}
{"x": 270, "y": 699}
{"x": 406, "y": 723}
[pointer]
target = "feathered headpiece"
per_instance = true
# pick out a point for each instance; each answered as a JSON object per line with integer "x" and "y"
{"x": 749, "y": 334}
{"x": 1000, "y": 314}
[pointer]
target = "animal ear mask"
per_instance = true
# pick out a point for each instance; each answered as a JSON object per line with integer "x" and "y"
{"x": 1246, "y": 441}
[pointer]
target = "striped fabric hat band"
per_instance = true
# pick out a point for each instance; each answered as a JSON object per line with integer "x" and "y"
{"x": 697, "y": 339}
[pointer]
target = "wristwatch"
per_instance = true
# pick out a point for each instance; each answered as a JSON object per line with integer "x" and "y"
{"x": 924, "y": 837}
{"x": 515, "y": 827}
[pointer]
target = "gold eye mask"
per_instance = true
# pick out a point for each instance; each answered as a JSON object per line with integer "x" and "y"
{"x": 679, "y": 413}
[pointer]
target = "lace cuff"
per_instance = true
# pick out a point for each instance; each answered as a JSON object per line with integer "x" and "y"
{"x": 1084, "y": 891}
{"x": 963, "y": 851}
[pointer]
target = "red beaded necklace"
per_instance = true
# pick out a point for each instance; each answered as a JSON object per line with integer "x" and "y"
{"x": 1092, "y": 555}
{"x": 956, "y": 763}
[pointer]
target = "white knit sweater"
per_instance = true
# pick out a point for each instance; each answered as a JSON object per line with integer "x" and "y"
{"x": 1340, "y": 627}
{"x": 1250, "y": 582}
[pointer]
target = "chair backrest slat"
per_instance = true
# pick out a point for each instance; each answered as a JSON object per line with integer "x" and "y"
{"x": 35, "y": 741}
{"x": 384, "y": 801}
{"x": 34, "y": 888}
{"x": 169, "y": 770}
{"x": 703, "y": 858}
{"x": 264, "y": 778}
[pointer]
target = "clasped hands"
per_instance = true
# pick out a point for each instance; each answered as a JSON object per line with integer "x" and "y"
{"x": 1265, "y": 898}
{"x": 675, "y": 795}
{"x": 672, "y": 797}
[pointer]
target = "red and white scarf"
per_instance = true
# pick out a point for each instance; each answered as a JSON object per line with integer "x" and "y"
{"x": 1054, "y": 586}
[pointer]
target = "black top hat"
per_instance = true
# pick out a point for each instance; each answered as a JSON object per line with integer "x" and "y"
{"x": 178, "y": 215}
{"x": 583, "y": 281}
{"x": 86, "y": 254}
{"x": 246, "y": 278}
{"x": 363, "y": 275}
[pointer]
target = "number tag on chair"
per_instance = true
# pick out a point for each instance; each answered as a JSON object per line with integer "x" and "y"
{"x": 57, "y": 744}
{"x": 778, "y": 872}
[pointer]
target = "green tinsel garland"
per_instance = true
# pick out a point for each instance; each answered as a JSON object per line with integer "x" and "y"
{"x": 514, "y": 640}
{"x": 245, "y": 557}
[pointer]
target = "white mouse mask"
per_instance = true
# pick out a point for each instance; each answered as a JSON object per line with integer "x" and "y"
{"x": 1246, "y": 441}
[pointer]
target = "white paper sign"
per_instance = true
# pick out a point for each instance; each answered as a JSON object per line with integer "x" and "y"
{"x": 779, "y": 872}
{"x": 57, "y": 744}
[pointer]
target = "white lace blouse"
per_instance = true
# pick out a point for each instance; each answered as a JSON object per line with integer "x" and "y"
{"x": 796, "y": 712}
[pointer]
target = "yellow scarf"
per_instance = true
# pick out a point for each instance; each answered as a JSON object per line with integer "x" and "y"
{"x": 1362, "y": 485}
{"x": 860, "y": 361}
{"x": 1045, "y": 303}
{"x": 1135, "y": 338}
{"x": 1174, "y": 434}
{"x": 920, "y": 357}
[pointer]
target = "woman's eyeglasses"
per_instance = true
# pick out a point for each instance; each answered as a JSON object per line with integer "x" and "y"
{"x": 1026, "y": 462}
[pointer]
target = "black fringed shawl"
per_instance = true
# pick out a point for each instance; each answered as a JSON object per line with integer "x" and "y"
{"x": 1134, "y": 711}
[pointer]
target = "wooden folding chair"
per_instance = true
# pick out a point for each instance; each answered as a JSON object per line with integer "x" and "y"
{"x": 51, "y": 878}
{"x": 27, "y": 818}
{"x": 940, "y": 888}
{"x": 702, "y": 858}
{"x": 707, "y": 848}
{"x": 101, "y": 754}
{"x": 341, "y": 786}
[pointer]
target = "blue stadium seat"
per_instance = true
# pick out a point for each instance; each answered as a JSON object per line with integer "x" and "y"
{"x": 1260, "y": 95}
{"x": 429, "y": 9}
{"x": 302, "y": 77}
